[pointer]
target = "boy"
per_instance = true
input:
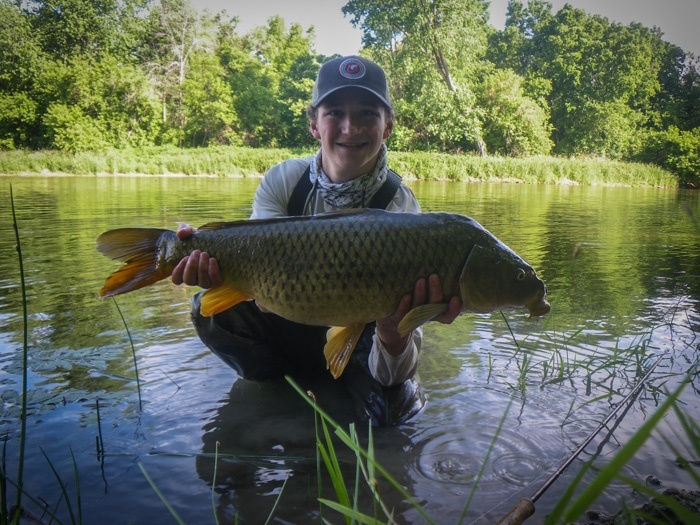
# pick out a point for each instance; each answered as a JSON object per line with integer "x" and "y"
{"x": 351, "y": 115}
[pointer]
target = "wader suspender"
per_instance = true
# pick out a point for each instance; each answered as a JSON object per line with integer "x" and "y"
{"x": 381, "y": 199}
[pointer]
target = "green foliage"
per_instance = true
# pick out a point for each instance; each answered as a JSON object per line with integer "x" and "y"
{"x": 174, "y": 32}
{"x": 90, "y": 105}
{"x": 607, "y": 82}
{"x": 20, "y": 49}
{"x": 294, "y": 94}
{"x": 677, "y": 151}
{"x": 432, "y": 52}
{"x": 271, "y": 72}
{"x": 71, "y": 130}
{"x": 18, "y": 112}
{"x": 606, "y": 129}
{"x": 85, "y": 27}
{"x": 80, "y": 74}
{"x": 207, "y": 103}
{"x": 432, "y": 120}
{"x": 514, "y": 124}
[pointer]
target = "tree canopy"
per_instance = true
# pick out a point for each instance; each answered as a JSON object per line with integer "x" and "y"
{"x": 88, "y": 74}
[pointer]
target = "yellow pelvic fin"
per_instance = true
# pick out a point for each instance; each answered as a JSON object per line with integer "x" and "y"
{"x": 341, "y": 341}
{"x": 216, "y": 300}
{"x": 420, "y": 315}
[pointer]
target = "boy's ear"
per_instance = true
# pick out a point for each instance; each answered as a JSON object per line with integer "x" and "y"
{"x": 388, "y": 129}
{"x": 314, "y": 130}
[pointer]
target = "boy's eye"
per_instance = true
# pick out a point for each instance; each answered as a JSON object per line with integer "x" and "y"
{"x": 363, "y": 113}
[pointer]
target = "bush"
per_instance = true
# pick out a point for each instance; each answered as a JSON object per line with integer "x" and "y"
{"x": 17, "y": 116}
{"x": 70, "y": 130}
{"x": 677, "y": 151}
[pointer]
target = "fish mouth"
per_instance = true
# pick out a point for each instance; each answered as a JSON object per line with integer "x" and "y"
{"x": 539, "y": 305}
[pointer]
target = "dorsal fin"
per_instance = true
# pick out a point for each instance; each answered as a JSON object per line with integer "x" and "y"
{"x": 318, "y": 217}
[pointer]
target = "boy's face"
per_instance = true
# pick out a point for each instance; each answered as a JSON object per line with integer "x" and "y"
{"x": 352, "y": 125}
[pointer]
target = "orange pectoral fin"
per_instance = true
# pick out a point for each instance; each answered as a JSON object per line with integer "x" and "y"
{"x": 420, "y": 315}
{"x": 216, "y": 300}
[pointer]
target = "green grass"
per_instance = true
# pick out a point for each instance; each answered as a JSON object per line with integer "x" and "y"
{"x": 226, "y": 161}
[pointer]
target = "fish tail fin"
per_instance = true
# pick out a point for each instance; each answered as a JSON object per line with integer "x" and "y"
{"x": 139, "y": 249}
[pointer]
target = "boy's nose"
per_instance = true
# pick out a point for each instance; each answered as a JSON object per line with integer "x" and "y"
{"x": 349, "y": 125}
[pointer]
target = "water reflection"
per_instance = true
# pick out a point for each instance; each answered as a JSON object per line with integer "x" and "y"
{"x": 265, "y": 434}
{"x": 630, "y": 294}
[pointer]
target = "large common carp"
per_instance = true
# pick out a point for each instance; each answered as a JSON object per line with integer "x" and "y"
{"x": 341, "y": 270}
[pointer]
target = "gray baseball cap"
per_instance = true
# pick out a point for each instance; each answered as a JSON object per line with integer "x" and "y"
{"x": 350, "y": 71}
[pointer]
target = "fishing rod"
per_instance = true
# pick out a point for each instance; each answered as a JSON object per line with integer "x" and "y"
{"x": 525, "y": 507}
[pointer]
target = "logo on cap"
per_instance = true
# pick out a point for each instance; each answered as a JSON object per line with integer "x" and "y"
{"x": 352, "y": 69}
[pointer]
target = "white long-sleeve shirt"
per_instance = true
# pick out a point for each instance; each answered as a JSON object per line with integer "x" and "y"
{"x": 271, "y": 200}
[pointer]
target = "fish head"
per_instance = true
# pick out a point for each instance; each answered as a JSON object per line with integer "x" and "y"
{"x": 495, "y": 278}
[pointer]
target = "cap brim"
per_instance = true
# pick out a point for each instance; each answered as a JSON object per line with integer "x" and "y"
{"x": 384, "y": 101}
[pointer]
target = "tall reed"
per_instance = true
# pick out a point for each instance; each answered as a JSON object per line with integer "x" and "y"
{"x": 133, "y": 353}
{"x": 25, "y": 364}
{"x": 246, "y": 162}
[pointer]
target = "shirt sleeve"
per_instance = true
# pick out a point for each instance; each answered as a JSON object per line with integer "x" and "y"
{"x": 391, "y": 370}
{"x": 275, "y": 189}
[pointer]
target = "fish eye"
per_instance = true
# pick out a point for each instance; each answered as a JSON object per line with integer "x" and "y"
{"x": 520, "y": 274}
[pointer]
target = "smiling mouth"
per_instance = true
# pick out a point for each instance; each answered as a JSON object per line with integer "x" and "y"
{"x": 352, "y": 145}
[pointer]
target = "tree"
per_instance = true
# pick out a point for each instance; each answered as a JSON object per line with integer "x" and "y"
{"x": 440, "y": 42}
{"x": 271, "y": 72}
{"x": 88, "y": 105}
{"x": 69, "y": 129}
{"x": 676, "y": 150}
{"x": 175, "y": 31}
{"x": 513, "y": 47}
{"x": 18, "y": 116}
{"x": 21, "y": 58}
{"x": 294, "y": 95}
{"x": 20, "y": 49}
{"x": 599, "y": 78}
{"x": 208, "y": 103}
{"x": 690, "y": 113}
{"x": 514, "y": 124}
{"x": 86, "y": 27}
{"x": 677, "y": 103}
{"x": 429, "y": 116}
{"x": 613, "y": 69}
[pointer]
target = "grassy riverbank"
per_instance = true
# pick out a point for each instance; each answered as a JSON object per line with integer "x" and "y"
{"x": 247, "y": 162}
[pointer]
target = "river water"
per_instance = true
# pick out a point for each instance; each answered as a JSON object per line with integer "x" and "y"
{"x": 214, "y": 444}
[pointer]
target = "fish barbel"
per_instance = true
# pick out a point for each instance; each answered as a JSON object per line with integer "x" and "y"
{"x": 341, "y": 269}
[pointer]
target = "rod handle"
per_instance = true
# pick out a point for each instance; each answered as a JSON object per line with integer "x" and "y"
{"x": 523, "y": 509}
